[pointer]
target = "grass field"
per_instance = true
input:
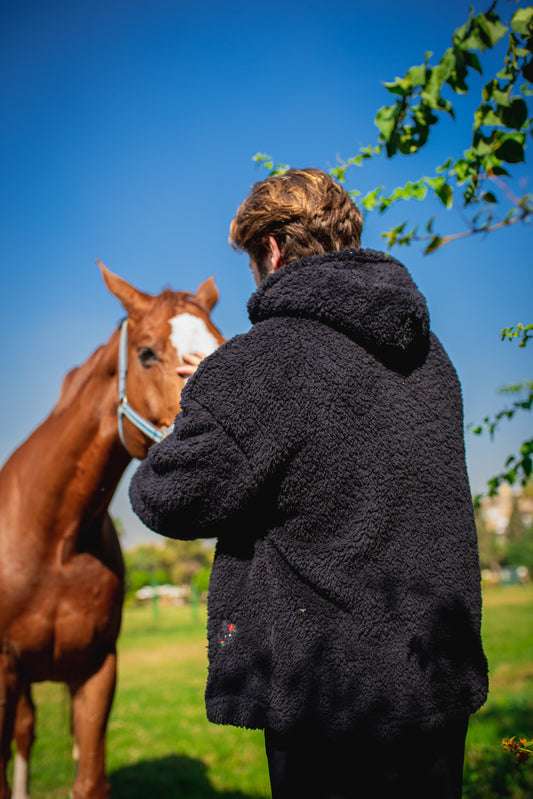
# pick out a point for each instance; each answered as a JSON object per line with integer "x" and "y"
{"x": 160, "y": 744}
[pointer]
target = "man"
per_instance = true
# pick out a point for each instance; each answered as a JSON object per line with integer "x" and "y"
{"x": 324, "y": 450}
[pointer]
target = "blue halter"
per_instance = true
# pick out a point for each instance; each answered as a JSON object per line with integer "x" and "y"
{"x": 124, "y": 408}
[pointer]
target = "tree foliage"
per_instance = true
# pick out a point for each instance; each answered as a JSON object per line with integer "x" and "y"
{"x": 477, "y": 182}
{"x": 512, "y": 547}
{"x": 518, "y": 468}
{"x": 490, "y": 554}
{"x": 520, "y": 332}
{"x": 518, "y": 539}
{"x": 175, "y": 562}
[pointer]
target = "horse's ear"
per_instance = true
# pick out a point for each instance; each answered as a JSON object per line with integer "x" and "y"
{"x": 207, "y": 294}
{"x": 133, "y": 301}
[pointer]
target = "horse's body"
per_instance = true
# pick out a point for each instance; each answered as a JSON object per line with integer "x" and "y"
{"x": 61, "y": 567}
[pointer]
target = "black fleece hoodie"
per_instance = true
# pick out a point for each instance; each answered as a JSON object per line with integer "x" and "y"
{"x": 324, "y": 449}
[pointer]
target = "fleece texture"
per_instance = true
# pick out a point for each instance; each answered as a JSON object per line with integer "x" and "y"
{"x": 324, "y": 450}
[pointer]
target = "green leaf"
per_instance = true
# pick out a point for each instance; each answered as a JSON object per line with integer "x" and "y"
{"x": 442, "y": 189}
{"x": 463, "y": 170}
{"x": 479, "y": 33}
{"x": 435, "y": 183}
{"x": 499, "y": 171}
{"x": 416, "y": 190}
{"x": 392, "y": 235}
{"x": 485, "y": 115}
{"x": 260, "y": 158}
{"x": 370, "y": 200}
{"x": 338, "y": 172}
{"x": 433, "y": 245}
{"x": 510, "y": 151}
{"x": 459, "y": 35}
{"x": 445, "y": 195}
{"x": 510, "y": 215}
{"x": 506, "y": 74}
{"x": 386, "y": 119}
{"x": 524, "y": 333}
{"x": 522, "y": 21}
{"x": 515, "y": 115}
{"x": 488, "y": 88}
{"x": 475, "y": 40}
{"x": 396, "y": 236}
{"x": 445, "y": 166}
{"x": 526, "y": 448}
{"x": 493, "y": 485}
{"x": 473, "y": 62}
{"x": 489, "y": 197}
{"x": 431, "y": 93}
{"x": 501, "y": 97}
{"x": 384, "y": 203}
{"x": 491, "y": 26}
{"x": 456, "y": 68}
{"x": 482, "y": 145}
{"x": 417, "y": 75}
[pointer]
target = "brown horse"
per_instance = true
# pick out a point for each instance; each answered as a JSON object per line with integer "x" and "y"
{"x": 61, "y": 567}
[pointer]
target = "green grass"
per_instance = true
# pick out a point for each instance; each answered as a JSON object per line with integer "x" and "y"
{"x": 508, "y": 641}
{"x": 160, "y": 743}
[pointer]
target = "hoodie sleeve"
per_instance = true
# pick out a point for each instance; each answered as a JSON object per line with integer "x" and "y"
{"x": 195, "y": 479}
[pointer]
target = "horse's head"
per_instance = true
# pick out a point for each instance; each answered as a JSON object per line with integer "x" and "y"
{"x": 160, "y": 330}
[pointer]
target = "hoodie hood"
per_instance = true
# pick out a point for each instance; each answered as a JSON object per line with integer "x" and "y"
{"x": 364, "y": 294}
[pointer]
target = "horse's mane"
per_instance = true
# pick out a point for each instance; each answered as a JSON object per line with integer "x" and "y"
{"x": 76, "y": 379}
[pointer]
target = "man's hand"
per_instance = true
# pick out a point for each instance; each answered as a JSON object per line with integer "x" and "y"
{"x": 191, "y": 362}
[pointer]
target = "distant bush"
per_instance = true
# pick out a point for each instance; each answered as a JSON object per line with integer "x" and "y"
{"x": 175, "y": 562}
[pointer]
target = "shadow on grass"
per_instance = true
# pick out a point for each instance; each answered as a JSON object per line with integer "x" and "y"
{"x": 172, "y": 777}
{"x": 489, "y": 771}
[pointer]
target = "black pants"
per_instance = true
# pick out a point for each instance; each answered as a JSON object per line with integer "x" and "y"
{"x": 417, "y": 765}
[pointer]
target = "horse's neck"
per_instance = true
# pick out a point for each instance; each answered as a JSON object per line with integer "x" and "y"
{"x": 68, "y": 469}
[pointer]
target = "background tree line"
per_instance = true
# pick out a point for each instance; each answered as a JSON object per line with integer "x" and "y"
{"x": 512, "y": 547}
{"x": 180, "y": 563}
{"x": 188, "y": 563}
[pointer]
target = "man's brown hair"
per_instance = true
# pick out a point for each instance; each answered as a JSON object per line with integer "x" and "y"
{"x": 306, "y": 211}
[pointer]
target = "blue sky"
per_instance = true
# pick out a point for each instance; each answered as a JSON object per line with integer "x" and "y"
{"x": 128, "y": 134}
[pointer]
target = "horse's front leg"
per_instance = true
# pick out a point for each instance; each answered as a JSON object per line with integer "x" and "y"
{"x": 91, "y": 703}
{"x": 9, "y": 691}
{"x": 24, "y": 737}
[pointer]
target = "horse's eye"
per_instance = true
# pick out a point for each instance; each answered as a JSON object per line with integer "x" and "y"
{"x": 147, "y": 356}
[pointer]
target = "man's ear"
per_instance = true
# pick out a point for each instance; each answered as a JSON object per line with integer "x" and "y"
{"x": 275, "y": 253}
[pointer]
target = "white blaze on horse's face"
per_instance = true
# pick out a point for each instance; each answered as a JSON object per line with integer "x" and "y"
{"x": 190, "y": 334}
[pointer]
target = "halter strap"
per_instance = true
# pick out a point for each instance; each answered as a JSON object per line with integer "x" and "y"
{"x": 124, "y": 408}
